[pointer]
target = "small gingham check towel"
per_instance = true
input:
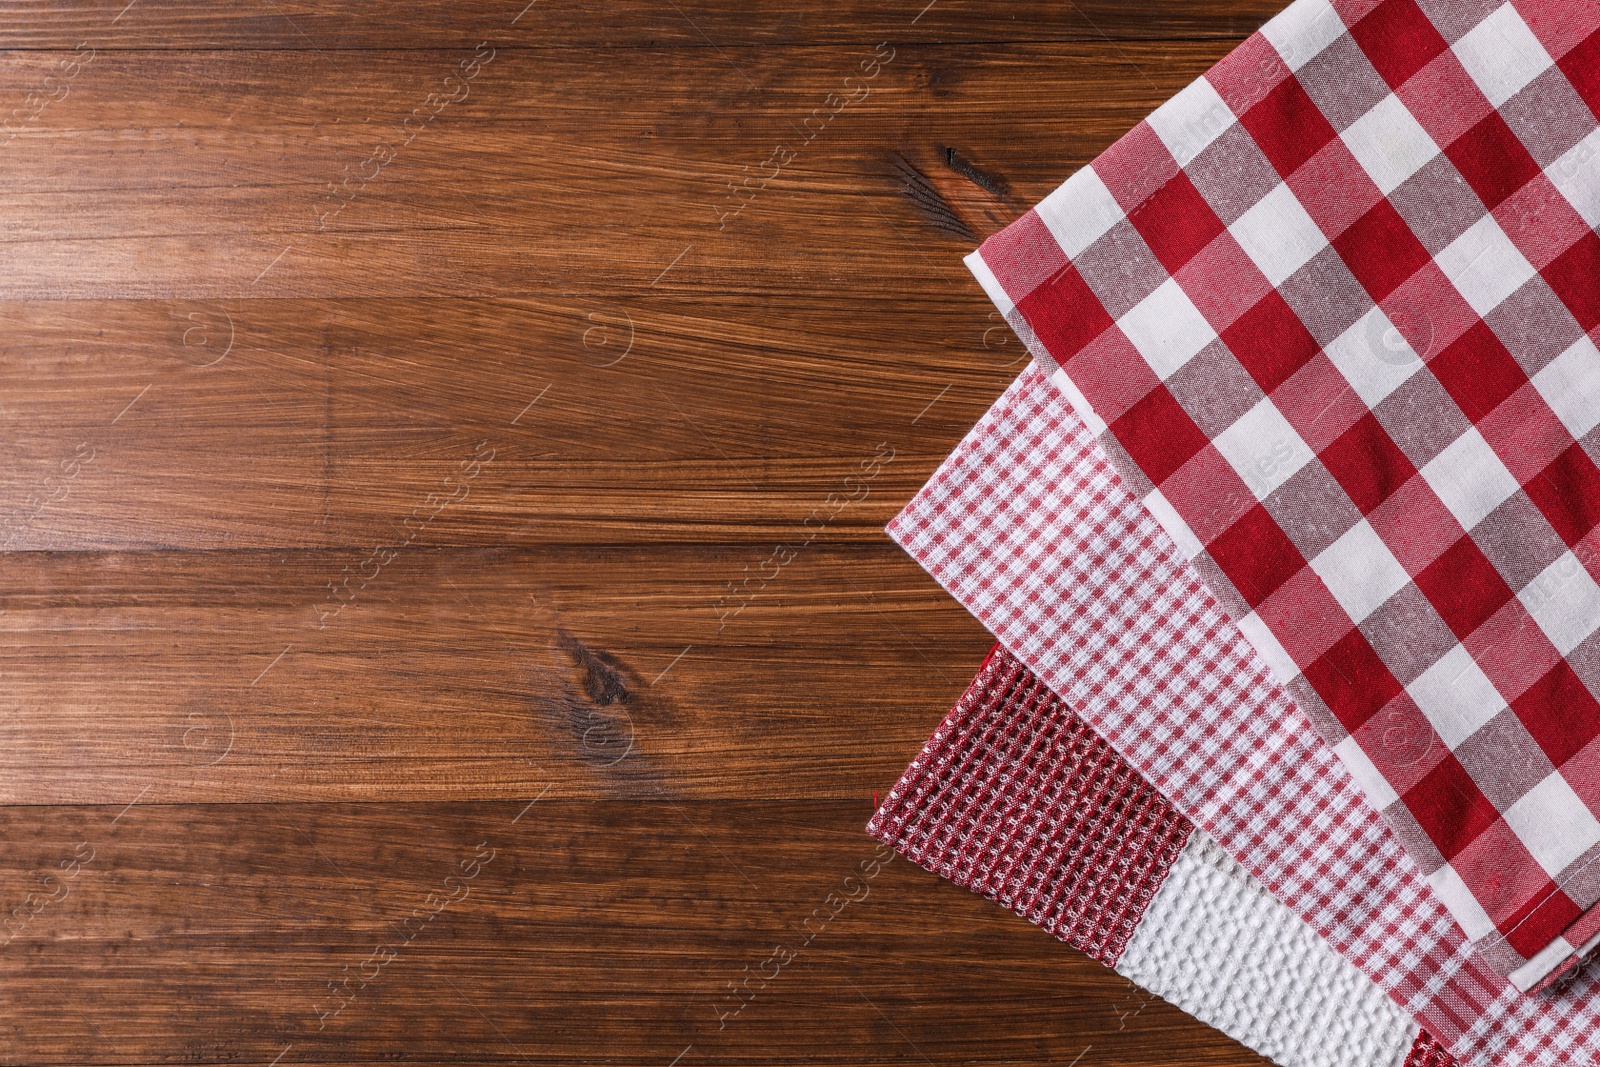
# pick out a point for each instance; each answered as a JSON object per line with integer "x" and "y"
{"x": 1018, "y": 799}
{"x": 1326, "y": 310}
{"x": 1029, "y": 527}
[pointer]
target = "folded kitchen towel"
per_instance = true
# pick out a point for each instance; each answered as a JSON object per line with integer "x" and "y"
{"x": 1327, "y": 310}
{"x": 1018, "y": 799}
{"x": 1030, "y": 528}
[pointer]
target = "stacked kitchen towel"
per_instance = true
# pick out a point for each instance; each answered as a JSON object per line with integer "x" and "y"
{"x": 1297, "y": 508}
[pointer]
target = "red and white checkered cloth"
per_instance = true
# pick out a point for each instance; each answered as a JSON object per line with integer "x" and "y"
{"x": 1018, "y": 799}
{"x": 1029, "y": 526}
{"x": 1328, "y": 310}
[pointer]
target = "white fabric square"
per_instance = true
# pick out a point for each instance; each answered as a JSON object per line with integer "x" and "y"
{"x": 1267, "y": 646}
{"x": 1374, "y": 357}
{"x": 1080, "y": 211}
{"x": 1263, "y": 448}
{"x": 1360, "y": 571}
{"x": 1502, "y": 55}
{"x": 1302, "y": 30}
{"x": 1389, "y": 143}
{"x": 1484, "y": 265}
{"x": 1278, "y": 235}
{"x": 1167, "y": 329}
{"x": 1456, "y": 696}
{"x": 1553, "y": 823}
{"x": 1191, "y": 120}
{"x": 1565, "y": 601}
{"x": 1574, "y": 176}
{"x": 1469, "y": 478}
{"x": 1570, "y": 384}
{"x": 1366, "y": 775}
{"x": 1464, "y": 907}
{"x": 1286, "y": 988}
{"x": 1167, "y": 515}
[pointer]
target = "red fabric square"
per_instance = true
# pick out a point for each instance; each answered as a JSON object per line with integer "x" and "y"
{"x": 1025, "y": 257}
{"x": 1478, "y": 371}
{"x": 1247, "y": 74}
{"x": 1492, "y": 159}
{"x": 1450, "y": 807}
{"x": 1271, "y": 342}
{"x": 1429, "y": 312}
{"x": 1401, "y": 740}
{"x": 1222, "y": 304}
{"x": 1504, "y": 876}
{"x": 1512, "y": 650}
{"x": 1112, "y": 374}
{"x": 1334, "y": 189}
{"x": 1209, "y": 494}
{"x": 1560, "y": 713}
{"x": 1538, "y": 922}
{"x": 1525, "y": 434}
{"x": 1367, "y": 463}
{"x": 1567, "y": 493}
{"x": 1304, "y": 616}
{"x": 1464, "y": 587}
{"x": 1444, "y": 98}
{"x": 1582, "y": 68}
{"x": 1560, "y": 25}
{"x": 1065, "y": 314}
{"x": 1176, "y": 222}
{"x": 1256, "y": 555}
{"x": 1381, "y": 251}
{"x": 1540, "y": 221}
{"x": 1352, "y": 680}
{"x": 1416, "y": 525}
{"x": 1582, "y": 772}
{"x": 1135, "y": 166}
{"x": 1288, "y": 126}
{"x": 1575, "y": 276}
{"x": 1319, "y": 403}
{"x": 1398, "y": 39}
{"x": 1158, "y": 434}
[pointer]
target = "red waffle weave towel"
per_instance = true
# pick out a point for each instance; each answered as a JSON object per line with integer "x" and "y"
{"x": 1018, "y": 799}
{"x": 1329, "y": 311}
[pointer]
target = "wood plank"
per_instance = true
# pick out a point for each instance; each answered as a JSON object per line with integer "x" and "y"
{"x": 239, "y": 919}
{"x": 543, "y": 179}
{"x": 265, "y": 423}
{"x": 186, "y": 25}
{"x": 243, "y": 676}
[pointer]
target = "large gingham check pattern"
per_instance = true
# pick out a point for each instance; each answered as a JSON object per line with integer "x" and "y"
{"x": 1329, "y": 310}
{"x": 1032, "y": 530}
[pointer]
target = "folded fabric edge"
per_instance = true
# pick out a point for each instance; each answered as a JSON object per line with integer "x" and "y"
{"x": 1018, "y": 799}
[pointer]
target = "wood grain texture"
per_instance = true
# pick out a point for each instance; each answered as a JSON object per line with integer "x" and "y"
{"x": 404, "y": 404}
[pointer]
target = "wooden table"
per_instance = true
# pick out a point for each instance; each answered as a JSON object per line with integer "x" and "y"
{"x": 395, "y": 400}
